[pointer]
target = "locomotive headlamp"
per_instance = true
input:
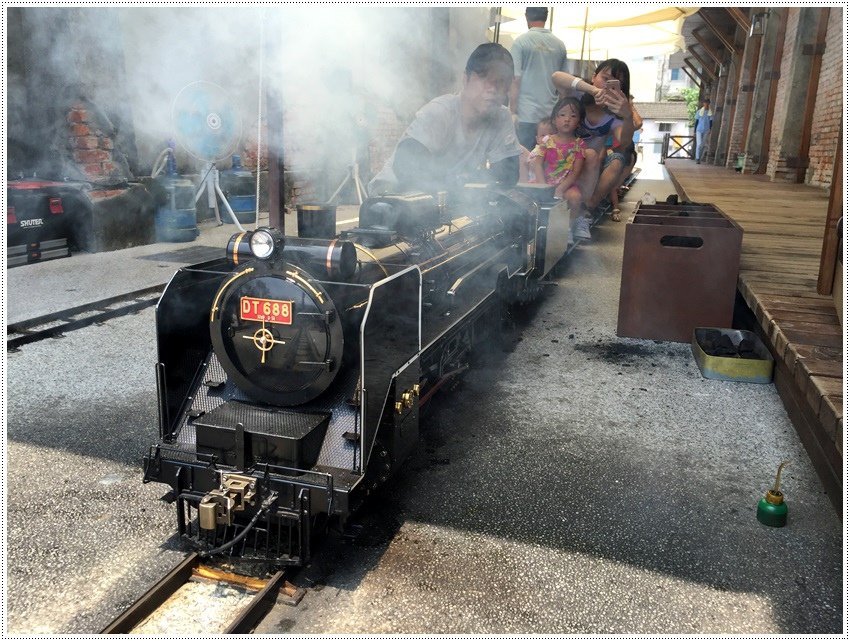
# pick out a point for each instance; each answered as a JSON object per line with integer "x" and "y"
{"x": 264, "y": 242}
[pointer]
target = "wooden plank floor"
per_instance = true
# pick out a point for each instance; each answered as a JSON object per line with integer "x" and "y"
{"x": 780, "y": 257}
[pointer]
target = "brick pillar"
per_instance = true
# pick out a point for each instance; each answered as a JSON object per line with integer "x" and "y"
{"x": 806, "y": 104}
{"x": 729, "y": 108}
{"x": 718, "y": 93}
{"x": 829, "y": 107}
{"x": 799, "y": 62}
{"x": 91, "y": 146}
{"x": 743, "y": 99}
{"x": 767, "y": 77}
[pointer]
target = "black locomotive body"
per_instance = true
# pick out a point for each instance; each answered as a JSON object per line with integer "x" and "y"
{"x": 291, "y": 372}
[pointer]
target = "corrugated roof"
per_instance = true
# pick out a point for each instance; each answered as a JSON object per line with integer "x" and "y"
{"x": 662, "y": 110}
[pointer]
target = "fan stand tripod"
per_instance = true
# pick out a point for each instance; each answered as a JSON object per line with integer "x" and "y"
{"x": 210, "y": 184}
{"x": 354, "y": 176}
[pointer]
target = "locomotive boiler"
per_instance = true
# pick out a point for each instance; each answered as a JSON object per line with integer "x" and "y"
{"x": 291, "y": 372}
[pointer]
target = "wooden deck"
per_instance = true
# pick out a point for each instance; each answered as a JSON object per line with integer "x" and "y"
{"x": 780, "y": 257}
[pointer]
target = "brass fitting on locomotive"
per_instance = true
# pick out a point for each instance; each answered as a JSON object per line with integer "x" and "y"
{"x": 218, "y": 506}
{"x": 408, "y": 399}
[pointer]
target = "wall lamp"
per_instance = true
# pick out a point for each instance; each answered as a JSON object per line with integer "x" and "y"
{"x": 759, "y": 23}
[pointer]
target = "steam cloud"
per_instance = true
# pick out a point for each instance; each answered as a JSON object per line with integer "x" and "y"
{"x": 334, "y": 67}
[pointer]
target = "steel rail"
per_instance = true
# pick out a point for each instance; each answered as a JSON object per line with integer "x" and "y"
{"x": 259, "y": 606}
{"x": 243, "y": 623}
{"x": 129, "y": 304}
{"x": 154, "y": 597}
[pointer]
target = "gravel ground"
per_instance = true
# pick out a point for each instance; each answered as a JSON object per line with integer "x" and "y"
{"x": 84, "y": 536}
{"x": 581, "y": 483}
{"x": 586, "y": 483}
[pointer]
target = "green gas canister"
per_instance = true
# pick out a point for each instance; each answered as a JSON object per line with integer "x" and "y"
{"x": 772, "y": 509}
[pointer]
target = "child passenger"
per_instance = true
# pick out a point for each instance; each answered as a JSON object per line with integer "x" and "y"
{"x": 526, "y": 173}
{"x": 558, "y": 158}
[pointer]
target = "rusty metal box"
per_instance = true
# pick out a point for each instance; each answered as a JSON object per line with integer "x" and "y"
{"x": 680, "y": 271}
{"x": 752, "y": 365}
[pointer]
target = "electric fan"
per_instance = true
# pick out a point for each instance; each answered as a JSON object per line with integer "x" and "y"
{"x": 207, "y": 125}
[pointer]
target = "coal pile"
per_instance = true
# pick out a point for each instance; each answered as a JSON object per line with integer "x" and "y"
{"x": 716, "y": 343}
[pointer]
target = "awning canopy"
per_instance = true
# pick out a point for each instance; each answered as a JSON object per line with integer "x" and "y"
{"x": 600, "y": 31}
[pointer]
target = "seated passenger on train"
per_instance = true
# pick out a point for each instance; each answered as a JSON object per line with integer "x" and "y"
{"x": 558, "y": 159}
{"x": 630, "y": 153}
{"x": 607, "y": 127}
{"x": 459, "y": 138}
{"x": 526, "y": 171}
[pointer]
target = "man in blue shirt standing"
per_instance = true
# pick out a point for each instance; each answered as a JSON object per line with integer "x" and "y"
{"x": 703, "y": 119}
{"x": 537, "y": 54}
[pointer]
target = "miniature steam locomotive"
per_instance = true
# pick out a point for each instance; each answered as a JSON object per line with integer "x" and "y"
{"x": 291, "y": 372}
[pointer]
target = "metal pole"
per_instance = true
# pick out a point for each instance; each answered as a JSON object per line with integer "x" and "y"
{"x": 583, "y": 34}
{"x": 274, "y": 113}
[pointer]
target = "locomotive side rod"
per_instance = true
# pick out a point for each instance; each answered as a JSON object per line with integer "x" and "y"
{"x": 129, "y": 304}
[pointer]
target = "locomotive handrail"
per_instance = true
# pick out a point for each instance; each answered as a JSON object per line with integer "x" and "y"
{"x": 199, "y": 270}
{"x": 369, "y": 430}
{"x": 489, "y": 239}
{"x": 486, "y": 263}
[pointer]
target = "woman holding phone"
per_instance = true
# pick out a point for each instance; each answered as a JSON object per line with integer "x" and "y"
{"x": 607, "y": 127}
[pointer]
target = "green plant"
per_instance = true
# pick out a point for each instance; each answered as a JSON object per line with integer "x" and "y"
{"x": 691, "y": 95}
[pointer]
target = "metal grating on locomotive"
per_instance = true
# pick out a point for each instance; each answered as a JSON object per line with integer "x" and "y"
{"x": 263, "y": 420}
{"x": 336, "y": 451}
{"x": 240, "y": 434}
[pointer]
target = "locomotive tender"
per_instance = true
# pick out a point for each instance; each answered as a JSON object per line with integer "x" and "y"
{"x": 291, "y": 372}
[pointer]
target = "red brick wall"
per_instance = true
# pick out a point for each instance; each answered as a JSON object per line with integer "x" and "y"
{"x": 829, "y": 105}
{"x": 385, "y": 132}
{"x": 91, "y": 148}
{"x": 776, "y": 157}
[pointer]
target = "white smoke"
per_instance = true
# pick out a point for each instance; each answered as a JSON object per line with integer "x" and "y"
{"x": 335, "y": 66}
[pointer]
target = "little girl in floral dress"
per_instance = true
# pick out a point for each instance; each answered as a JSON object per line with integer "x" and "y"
{"x": 558, "y": 159}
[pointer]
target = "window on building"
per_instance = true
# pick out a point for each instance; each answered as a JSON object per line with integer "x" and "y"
{"x": 665, "y": 126}
{"x": 674, "y": 74}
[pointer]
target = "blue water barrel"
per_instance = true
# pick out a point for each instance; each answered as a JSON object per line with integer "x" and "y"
{"x": 239, "y": 187}
{"x": 176, "y": 220}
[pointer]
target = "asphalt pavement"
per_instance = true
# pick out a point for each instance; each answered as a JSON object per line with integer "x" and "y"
{"x": 580, "y": 483}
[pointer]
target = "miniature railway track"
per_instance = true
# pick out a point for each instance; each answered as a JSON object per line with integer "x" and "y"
{"x": 57, "y": 324}
{"x": 244, "y": 621}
